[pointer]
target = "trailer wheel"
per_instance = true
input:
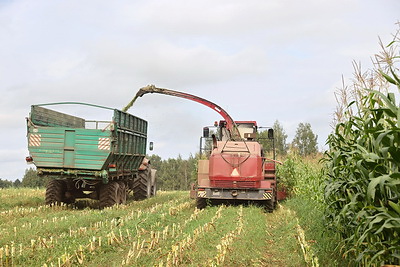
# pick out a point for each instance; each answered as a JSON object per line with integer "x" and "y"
{"x": 201, "y": 203}
{"x": 55, "y": 191}
{"x": 122, "y": 193}
{"x": 142, "y": 188}
{"x": 153, "y": 183}
{"x": 153, "y": 190}
{"x": 108, "y": 195}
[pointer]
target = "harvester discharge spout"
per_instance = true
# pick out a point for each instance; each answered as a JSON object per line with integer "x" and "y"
{"x": 230, "y": 123}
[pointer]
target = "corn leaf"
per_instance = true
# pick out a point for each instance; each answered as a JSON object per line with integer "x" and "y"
{"x": 374, "y": 183}
{"x": 394, "y": 206}
{"x": 388, "y": 78}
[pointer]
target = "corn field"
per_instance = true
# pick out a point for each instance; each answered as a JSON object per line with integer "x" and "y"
{"x": 303, "y": 177}
{"x": 363, "y": 164}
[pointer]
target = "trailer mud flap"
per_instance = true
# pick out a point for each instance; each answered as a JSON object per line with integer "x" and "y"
{"x": 267, "y": 195}
{"x": 202, "y": 194}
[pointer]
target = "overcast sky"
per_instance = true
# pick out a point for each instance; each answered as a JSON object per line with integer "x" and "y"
{"x": 260, "y": 60}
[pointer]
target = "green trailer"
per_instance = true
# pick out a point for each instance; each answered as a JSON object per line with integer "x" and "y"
{"x": 103, "y": 160}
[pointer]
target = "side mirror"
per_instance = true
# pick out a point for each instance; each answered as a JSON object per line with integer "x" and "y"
{"x": 206, "y": 132}
{"x": 271, "y": 133}
{"x": 151, "y": 146}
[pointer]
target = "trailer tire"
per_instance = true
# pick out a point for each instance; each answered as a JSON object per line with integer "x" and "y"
{"x": 153, "y": 183}
{"x": 142, "y": 188}
{"x": 55, "y": 191}
{"x": 122, "y": 193}
{"x": 201, "y": 203}
{"x": 108, "y": 194}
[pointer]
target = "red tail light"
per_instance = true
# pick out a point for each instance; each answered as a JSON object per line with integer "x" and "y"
{"x": 112, "y": 165}
{"x": 29, "y": 159}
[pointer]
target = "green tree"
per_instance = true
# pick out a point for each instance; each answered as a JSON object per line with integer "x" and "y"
{"x": 17, "y": 183}
{"x": 169, "y": 179}
{"x": 31, "y": 179}
{"x": 155, "y": 162}
{"x": 305, "y": 140}
{"x": 5, "y": 183}
{"x": 192, "y": 165}
{"x": 188, "y": 172}
{"x": 175, "y": 174}
{"x": 280, "y": 139}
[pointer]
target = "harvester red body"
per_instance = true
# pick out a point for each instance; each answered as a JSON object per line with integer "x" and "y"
{"x": 236, "y": 169}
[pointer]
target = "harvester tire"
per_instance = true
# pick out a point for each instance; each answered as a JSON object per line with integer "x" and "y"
{"x": 142, "y": 188}
{"x": 108, "y": 194}
{"x": 122, "y": 193}
{"x": 268, "y": 205}
{"x": 55, "y": 191}
{"x": 201, "y": 203}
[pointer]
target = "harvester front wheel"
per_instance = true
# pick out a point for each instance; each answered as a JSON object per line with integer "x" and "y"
{"x": 142, "y": 188}
{"x": 108, "y": 194}
{"x": 201, "y": 203}
{"x": 268, "y": 205}
{"x": 55, "y": 191}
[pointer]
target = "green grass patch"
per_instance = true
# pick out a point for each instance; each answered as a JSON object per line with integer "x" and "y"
{"x": 322, "y": 240}
{"x": 21, "y": 197}
{"x": 255, "y": 246}
{"x": 204, "y": 249}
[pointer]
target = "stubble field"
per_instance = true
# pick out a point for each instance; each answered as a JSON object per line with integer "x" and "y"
{"x": 163, "y": 231}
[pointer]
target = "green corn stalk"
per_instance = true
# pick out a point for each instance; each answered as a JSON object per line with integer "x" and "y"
{"x": 362, "y": 192}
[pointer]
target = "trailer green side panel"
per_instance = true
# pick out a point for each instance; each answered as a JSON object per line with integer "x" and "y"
{"x": 72, "y": 148}
{"x": 131, "y": 138}
{"x": 60, "y": 142}
{"x": 47, "y": 117}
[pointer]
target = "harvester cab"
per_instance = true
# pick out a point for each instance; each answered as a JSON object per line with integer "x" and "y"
{"x": 246, "y": 130}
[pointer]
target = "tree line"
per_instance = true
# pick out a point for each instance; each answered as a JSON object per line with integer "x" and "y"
{"x": 30, "y": 179}
{"x": 179, "y": 174}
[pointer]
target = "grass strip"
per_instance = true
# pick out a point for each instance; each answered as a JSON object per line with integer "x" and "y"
{"x": 322, "y": 240}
